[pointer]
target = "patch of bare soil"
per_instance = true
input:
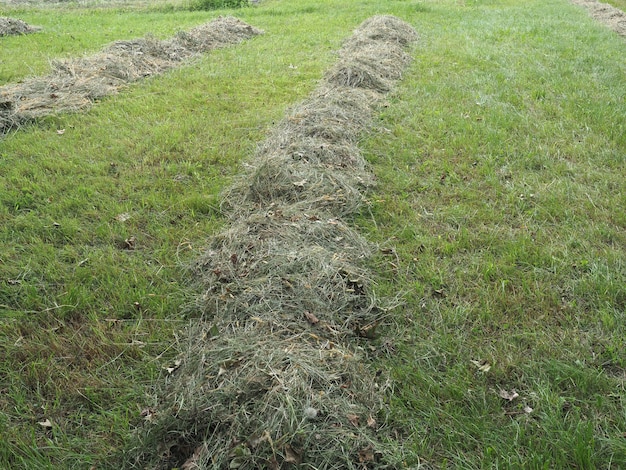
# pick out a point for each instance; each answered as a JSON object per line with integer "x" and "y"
{"x": 612, "y": 17}
{"x": 75, "y": 84}
{"x": 13, "y": 27}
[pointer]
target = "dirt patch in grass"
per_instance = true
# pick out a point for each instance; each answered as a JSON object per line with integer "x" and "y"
{"x": 607, "y": 14}
{"x": 272, "y": 374}
{"x": 13, "y": 27}
{"x": 75, "y": 84}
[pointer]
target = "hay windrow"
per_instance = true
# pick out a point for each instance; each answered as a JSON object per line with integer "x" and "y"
{"x": 14, "y": 27}
{"x": 386, "y": 29}
{"x": 75, "y": 84}
{"x": 260, "y": 402}
{"x": 612, "y": 17}
{"x": 280, "y": 179}
{"x": 277, "y": 268}
{"x": 271, "y": 374}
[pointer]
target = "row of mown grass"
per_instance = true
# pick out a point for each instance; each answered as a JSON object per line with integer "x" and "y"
{"x": 500, "y": 163}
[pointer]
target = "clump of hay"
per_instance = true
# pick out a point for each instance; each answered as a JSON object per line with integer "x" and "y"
{"x": 374, "y": 57}
{"x": 13, "y": 27}
{"x": 382, "y": 29}
{"x": 294, "y": 271}
{"x": 311, "y": 158}
{"x": 612, "y": 17}
{"x": 280, "y": 179}
{"x": 250, "y": 400}
{"x": 74, "y": 85}
{"x": 271, "y": 374}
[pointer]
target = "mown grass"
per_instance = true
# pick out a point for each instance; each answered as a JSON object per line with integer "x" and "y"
{"x": 621, "y": 4}
{"x": 500, "y": 162}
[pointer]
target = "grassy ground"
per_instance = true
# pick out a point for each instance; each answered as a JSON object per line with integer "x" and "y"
{"x": 500, "y": 163}
{"x": 621, "y": 4}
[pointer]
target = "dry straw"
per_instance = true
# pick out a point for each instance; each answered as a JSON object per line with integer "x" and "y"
{"x": 14, "y": 27}
{"x": 272, "y": 374}
{"x": 74, "y": 85}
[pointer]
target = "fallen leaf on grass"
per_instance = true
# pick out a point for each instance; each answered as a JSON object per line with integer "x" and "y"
{"x": 483, "y": 366}
{"x": 292, "y": 456}
{"x": 45, "y": 424}
{"x": 371, "y": 422}
{"x": 122, "y": 217}
{"x": 510, "y": 396}
{"x": 175, "y": 366}
{"x": 130, "y": 243}
{"x": 354, "y": 419}
{"x": 313, "y": 320}
{"x": 366, "y": 455}
{"x": 439, "y": 293}
{"x": 192, "y": 462}
{"x": 147, "y": 414}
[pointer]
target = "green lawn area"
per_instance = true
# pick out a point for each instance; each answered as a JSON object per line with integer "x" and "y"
{"x": 499, "y": 208}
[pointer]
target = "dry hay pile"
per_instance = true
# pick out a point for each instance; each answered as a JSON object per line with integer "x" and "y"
{"x": 607, "y": 14}
{"x": 13, "y": 26}
{"x": 272, "y": 375}
{"x": 75, "y": 84}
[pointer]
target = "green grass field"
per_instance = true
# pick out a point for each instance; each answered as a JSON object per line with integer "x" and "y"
{"x": 500, "y": 210}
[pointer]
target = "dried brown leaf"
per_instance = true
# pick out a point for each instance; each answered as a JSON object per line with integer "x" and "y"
{"x": 313, "y": 320}
{"x": 510, "y": 396}
{"x": 292, "y": 455}
{"x": 366, "y": 455}
{"x": 45, "y": 424}
{"x": 483, "y": 366}
{"x": 354, "y": 419}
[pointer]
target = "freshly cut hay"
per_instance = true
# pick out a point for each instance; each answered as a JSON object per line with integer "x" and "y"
{"x": 310, "y": 159}
{"x": 163, "y": 52}
{"x": 279, "y": 179}
{"x": 355, "y": 73}
{"x": 13, "y": 26}
{"x": 251, "y": 400}
{"x": 271, "y": 376}
{"x": 74, "y": 85}
{"x": 325, "y": 129}
{"x": 370, "y": 65}
{"x": 277, "y": 267}
{"x": 384, "y": 28}
{"x": 390, "y": 60}
{"x": 334, "y": 114}
{"x": 336, "y": 156}
{"x": 217, "y": 34}
{"x": 612, "y": 17}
